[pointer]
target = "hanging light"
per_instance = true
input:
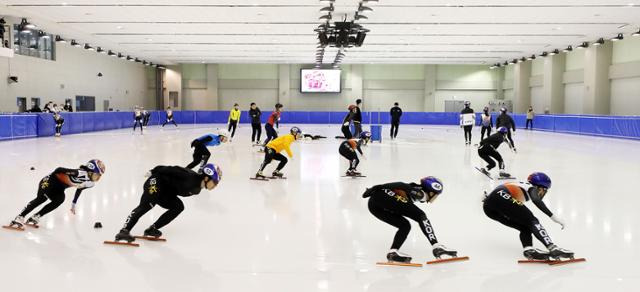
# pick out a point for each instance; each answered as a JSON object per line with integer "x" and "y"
{"x": 88, "y": 47}
{"x": 26, "y": 25}
{"x": 532, "y": 57}
{"x": 75, "y": 44}
{"x": 568, "y": 49}
{"x": 555, "y": 52}
{"x": 59, "y": 39}
{"x": 599, "y": 42}
{"x": 619, "y": 37}
{"x": 112, "y": 54}
{"x": 121, "y": 56}
{"x": 583, "y": 45}
{"x": 101, "y": 50}
{"x": 544, "y": 54}
{"x": 43, "y": 35}
{"x": 637, "y": 33}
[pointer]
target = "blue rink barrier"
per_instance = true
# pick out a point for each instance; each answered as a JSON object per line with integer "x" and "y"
{"x": 15, "y": 126}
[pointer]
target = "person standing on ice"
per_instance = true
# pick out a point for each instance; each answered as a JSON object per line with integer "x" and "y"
{"x": 506, "y": 204}
{"x": 392, "y": 202}
{"x": 467, "y": 120}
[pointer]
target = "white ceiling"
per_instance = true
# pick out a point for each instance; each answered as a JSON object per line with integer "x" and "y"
{"x": 281, "y": 31}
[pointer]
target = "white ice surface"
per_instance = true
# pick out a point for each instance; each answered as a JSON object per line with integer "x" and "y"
{"x": 313, "y": 232}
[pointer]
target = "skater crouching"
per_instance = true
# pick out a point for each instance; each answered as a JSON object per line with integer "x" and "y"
{"x": 200, "y": 152}
{"x": 488, "y": 151}
{"x": 348, "y": 150}
{"x": 163, "y": 187}
{"x": 273, "y": 149}
{"x": 505, "y": 204}
{"x": 392, "y": 202}
{"x": 52, "y": 188}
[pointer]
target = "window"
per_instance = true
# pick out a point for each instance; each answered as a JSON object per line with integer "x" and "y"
{"x": 34, "y": 43}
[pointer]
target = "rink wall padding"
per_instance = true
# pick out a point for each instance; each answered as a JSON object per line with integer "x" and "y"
{"x": 17, "y": 126}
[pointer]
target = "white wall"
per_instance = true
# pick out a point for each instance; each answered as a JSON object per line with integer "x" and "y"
{"x": 625, "y": 96}
{"x": 573, "y": 98}
{"x": 537, "y": 99}
{"x": 74, "y": 72}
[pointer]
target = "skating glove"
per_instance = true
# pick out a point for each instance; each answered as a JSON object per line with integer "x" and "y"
{"x": 558, "y": 220}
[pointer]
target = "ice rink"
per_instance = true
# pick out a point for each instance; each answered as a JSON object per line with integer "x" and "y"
{"x": 313, "y": 232}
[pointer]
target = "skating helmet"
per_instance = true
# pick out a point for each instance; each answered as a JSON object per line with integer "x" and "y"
{"x": 295, "y": 131}
{"x": 365, "y": 135}
{"x": 432, "y": 187}
{"x": 467, "y": 103}
{"x": 351, "y": 107}
{"x": 539, "y": 179}
{"x": 223, "y": 133}
{"x": 503, "y": 130}
{"x": 213, "y": 172}
{"x": 95, "y": 166}
{"x": 504, "y": 110}
{"x": 486, "y": 108}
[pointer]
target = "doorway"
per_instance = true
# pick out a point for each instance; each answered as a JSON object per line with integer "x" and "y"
{"x": 21, "y": 102}
{"x": 105, "y": 105}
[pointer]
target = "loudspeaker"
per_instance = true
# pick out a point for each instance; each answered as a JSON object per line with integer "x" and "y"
{"x": 13, "y": 79}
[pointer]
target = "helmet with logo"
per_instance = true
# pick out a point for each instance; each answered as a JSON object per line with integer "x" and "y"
{"x": 213, "y": 172}
{"x": 95, "y": 166}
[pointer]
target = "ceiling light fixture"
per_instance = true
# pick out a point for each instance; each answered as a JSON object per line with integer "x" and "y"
{"x": 532, "y": 57}
{"x": 101, "y": 50}
{"x": 26, "y": 25}
{"x": 88, "y": 47}
{"x": 568, "y": 49}
{"x": 112, "y": 54}
{"x": 619, "y": 37}
{"x": 554, "y": 52}
{"x": 637, "y": 33}
{"x": 75, "y": 44}
{"x": 544, "y": 54}
{"x": 599, "y": 42}
{"x": 583, "y": 45}
{"x": 59, "y": 39}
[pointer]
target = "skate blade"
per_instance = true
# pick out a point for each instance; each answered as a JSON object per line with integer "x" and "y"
{"x": 505, "y": 178}
{"x": 487, "y": 175}
{"x": 121, "y": 243}
{"x": 354, "y": 176}
{"x": 255, "y": 178}
{"x": 150, "y": 238}
{"x": 399, "y": 264}
{"x": 13, "y": 228}
{"x": 448, "y": 260}
{"x": 535, "y": 261}
{"x": 32, "y": 225}
{"x": 564, "y": 262}
{"x": 273, "y": 177}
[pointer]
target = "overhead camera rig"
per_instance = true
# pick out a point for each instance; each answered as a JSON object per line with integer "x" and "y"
{"x": 342, "y": 35}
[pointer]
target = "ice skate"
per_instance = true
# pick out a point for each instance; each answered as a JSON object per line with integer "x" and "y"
{"x": 33, "y": 221}
{"x": 123, "y": 238}
{"x": 349, "y": 173}
{"x": 535, "y": 254}
{"x": 560, "y": 253}
{"x": 124, "y": 235}
{"x": 398, "y": 257}
{"x": 439, "y": 250}
{"x": 277, "y": 174}
{"x": 485, "y": 172}
{"x": 259, "y": 176}
{"x": 505, "y": 175}
{"x": 152, "y": 232}
{"x": 16, "y": 224}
